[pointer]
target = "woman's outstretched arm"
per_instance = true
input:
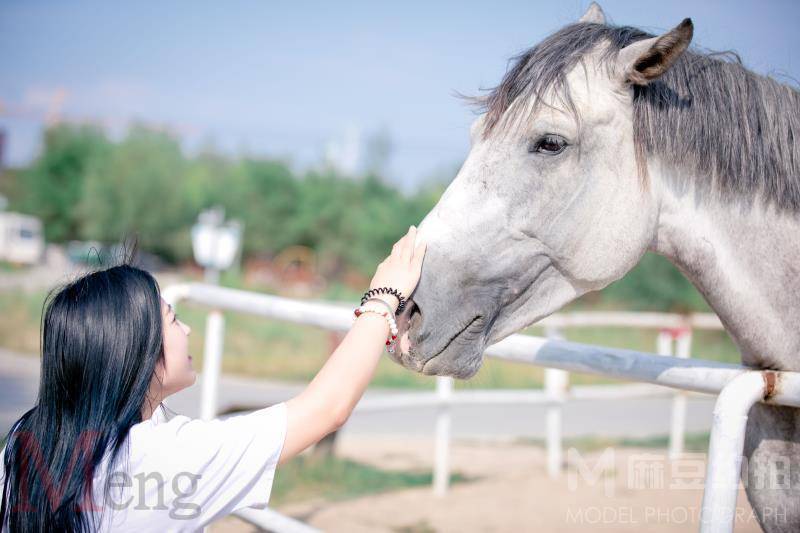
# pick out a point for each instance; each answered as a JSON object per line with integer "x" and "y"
{"x": 327, "y": 402}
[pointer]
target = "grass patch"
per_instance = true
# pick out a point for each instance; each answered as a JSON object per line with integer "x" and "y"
{"x": 10, "y": 268}
{"x": 21, "y": 312}
{"x": 693, "y": 442}
{"x": 418, "y": 527}
{"x": 333, "y": 479}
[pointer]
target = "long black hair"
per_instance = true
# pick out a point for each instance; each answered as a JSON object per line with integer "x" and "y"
{"x": 101, "y": 338}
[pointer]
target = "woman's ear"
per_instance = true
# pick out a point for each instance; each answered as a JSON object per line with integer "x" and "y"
{"x": 644, "y": 61}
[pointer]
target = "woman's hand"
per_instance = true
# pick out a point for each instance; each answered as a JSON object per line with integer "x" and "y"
{"x": 401, "y": 270}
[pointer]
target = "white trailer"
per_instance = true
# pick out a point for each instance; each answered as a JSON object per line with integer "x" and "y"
{"x": 21, "y": 238}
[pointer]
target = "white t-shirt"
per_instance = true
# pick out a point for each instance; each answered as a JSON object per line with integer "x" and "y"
{"x": 184, "y": 473}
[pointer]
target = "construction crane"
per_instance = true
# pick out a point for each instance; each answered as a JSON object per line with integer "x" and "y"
{"x": 50, "y": 115}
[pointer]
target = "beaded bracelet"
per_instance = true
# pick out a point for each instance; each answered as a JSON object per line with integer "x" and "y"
{"x": 386, "y": 290}
{"x": 391, "y": 340}
{"x": 381, "y": 303}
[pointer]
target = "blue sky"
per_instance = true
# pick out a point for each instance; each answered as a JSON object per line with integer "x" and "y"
{"x": 285, "y": 78}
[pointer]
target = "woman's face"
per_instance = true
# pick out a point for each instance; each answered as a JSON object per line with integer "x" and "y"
{"x": 176, "y": 372}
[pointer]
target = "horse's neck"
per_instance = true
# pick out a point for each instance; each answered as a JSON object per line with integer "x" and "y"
{"x": 746, "y": 263}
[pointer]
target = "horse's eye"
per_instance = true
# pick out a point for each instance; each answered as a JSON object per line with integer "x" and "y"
{"x": 549, "y": 144}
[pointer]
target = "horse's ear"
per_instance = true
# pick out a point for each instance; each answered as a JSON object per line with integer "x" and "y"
{"x": 643, "y": 61}
{"x": 594, "y": 14}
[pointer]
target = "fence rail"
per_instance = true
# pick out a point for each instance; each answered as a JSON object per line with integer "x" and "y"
{"x": 738, "y": 387}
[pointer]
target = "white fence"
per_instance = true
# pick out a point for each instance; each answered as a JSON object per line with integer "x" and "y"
{"x": 738, "y": 387}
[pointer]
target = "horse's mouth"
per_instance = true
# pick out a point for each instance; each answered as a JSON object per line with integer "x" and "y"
{"x": 472, "y": 325}
{"x": 412, "y": 352}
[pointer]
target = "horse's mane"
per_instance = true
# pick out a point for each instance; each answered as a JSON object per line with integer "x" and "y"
{"x": 733, "y": 130}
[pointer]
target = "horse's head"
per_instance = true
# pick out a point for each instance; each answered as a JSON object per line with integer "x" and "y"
{"x": 552, "y": 201}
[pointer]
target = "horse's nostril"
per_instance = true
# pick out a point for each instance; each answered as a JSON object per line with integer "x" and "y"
{"x": 407, "y": 321}
{"x": 415, "y": 309}
{"x": 410, "y": 317}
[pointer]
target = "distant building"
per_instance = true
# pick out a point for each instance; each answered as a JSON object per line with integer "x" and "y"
{"x": 21, "y": 238}
{"x": 343, "y": 154}
{"x": 355, "y": 153}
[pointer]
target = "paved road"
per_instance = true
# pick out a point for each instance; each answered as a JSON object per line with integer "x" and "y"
{"x": 612, "y": 418}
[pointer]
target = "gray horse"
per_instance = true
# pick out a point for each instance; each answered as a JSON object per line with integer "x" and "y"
{"x": 599, "y": 144}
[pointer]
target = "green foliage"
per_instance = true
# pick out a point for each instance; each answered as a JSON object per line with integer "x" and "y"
{"x": 9, "y": 185}
{"x": 84, "y": 186}
{"x": 331, "y": 478}
{"x": 54, "y": 184}
{"x": 655, "y": 284}
{"x": 139, "y": 187}
{"x": 693, "y": 442}
{"x": 266, "y": 200}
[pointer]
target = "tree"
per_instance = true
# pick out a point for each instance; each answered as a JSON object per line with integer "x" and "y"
{"x": 379, "y": 148}
{"x": 138, "y": 189}
{"x": 655, "y": 284}
{"x": 54, "y": 184}
{"x": 267, "y": 199}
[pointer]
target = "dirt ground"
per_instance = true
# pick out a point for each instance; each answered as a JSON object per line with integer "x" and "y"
{"x": 620, "y": 490}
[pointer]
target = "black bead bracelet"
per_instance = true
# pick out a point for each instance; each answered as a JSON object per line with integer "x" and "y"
{"x": 385, "y": 290}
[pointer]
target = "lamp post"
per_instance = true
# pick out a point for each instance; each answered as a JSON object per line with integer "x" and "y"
{"x": 215, "y": 245}
{"x": 215, "y": 242}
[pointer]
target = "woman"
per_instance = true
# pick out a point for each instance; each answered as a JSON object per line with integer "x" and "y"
{"x": 96, "y": 454}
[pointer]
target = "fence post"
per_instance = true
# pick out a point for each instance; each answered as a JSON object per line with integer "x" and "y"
{"x": 664, "y": 343}
{"x": 555, "y": 386}
{"x": 441, "y": 465}
{"x": 212, "y": 362}
{"x": 683, "y": 349}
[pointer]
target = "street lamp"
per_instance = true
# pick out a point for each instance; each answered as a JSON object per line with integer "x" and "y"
{"x": 215, "y": 243}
